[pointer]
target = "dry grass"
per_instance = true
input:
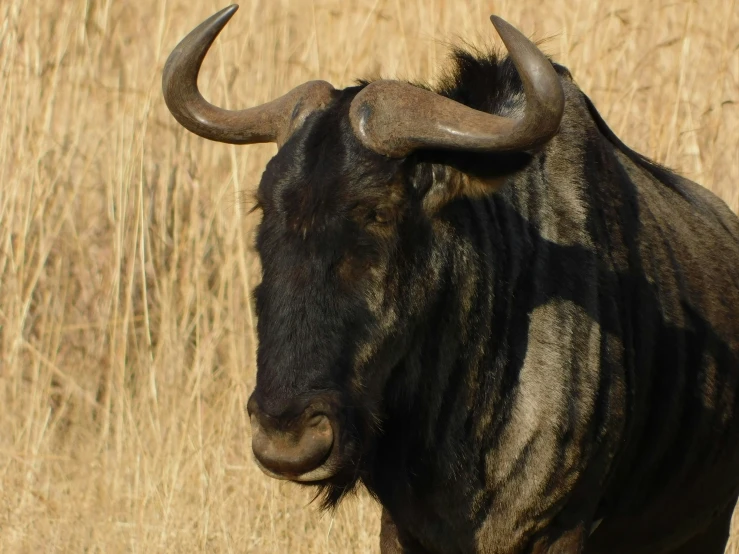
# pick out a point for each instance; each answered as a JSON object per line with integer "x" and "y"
{"x": 126, "y": 341}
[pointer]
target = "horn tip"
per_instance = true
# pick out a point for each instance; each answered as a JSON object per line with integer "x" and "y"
{"x": 218, "y": 20}
{"x": 500, "y": 24}
{"x": 226, "y": 13}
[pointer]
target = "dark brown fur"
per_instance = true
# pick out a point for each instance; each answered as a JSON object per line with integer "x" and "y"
{"x": 520, "y": 347}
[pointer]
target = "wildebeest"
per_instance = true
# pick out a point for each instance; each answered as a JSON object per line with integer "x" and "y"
{"x": 519, "y": 334}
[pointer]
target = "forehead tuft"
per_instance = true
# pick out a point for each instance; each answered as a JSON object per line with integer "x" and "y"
{"x": 323, "y": 170}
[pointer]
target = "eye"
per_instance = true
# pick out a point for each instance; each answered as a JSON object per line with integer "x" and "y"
{"x": 380, "y": 215}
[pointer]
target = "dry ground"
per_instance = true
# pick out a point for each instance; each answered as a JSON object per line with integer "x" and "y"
{"x": 126, "y": 342}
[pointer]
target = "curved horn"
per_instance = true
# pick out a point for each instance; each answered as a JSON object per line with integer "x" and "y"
{"x": 271, "y": 122}
{"x": 395, "y": 118}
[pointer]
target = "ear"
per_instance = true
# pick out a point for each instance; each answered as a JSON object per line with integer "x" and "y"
{"x": 442, "y": 177}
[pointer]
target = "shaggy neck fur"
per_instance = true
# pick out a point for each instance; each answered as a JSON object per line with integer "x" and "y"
{"x": 525, "y": 386}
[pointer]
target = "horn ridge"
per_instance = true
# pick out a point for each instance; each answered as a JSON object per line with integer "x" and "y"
{"x": 395, "y": 118}
{"x": 270, "y": 122}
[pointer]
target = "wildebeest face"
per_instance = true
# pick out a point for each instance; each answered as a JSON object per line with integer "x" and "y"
{"x": 335, "y": 238}
{"x": 346, "y": 240}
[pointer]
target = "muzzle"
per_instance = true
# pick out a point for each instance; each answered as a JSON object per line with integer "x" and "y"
{"x": 299, "y": 448}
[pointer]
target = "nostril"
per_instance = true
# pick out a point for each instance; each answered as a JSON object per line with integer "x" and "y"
{"x": 319, "y": 422}
{"x": 320, "y": 430}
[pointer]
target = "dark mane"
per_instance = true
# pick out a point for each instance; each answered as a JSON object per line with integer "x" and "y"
{"x": 658, "y": 171}
{"x": 486, "y": 81}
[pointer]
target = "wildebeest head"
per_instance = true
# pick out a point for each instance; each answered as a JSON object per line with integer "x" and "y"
{"x": 347, "y": 237}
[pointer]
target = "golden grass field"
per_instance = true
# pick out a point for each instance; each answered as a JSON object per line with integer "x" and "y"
{"x": 126, "y": 258}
